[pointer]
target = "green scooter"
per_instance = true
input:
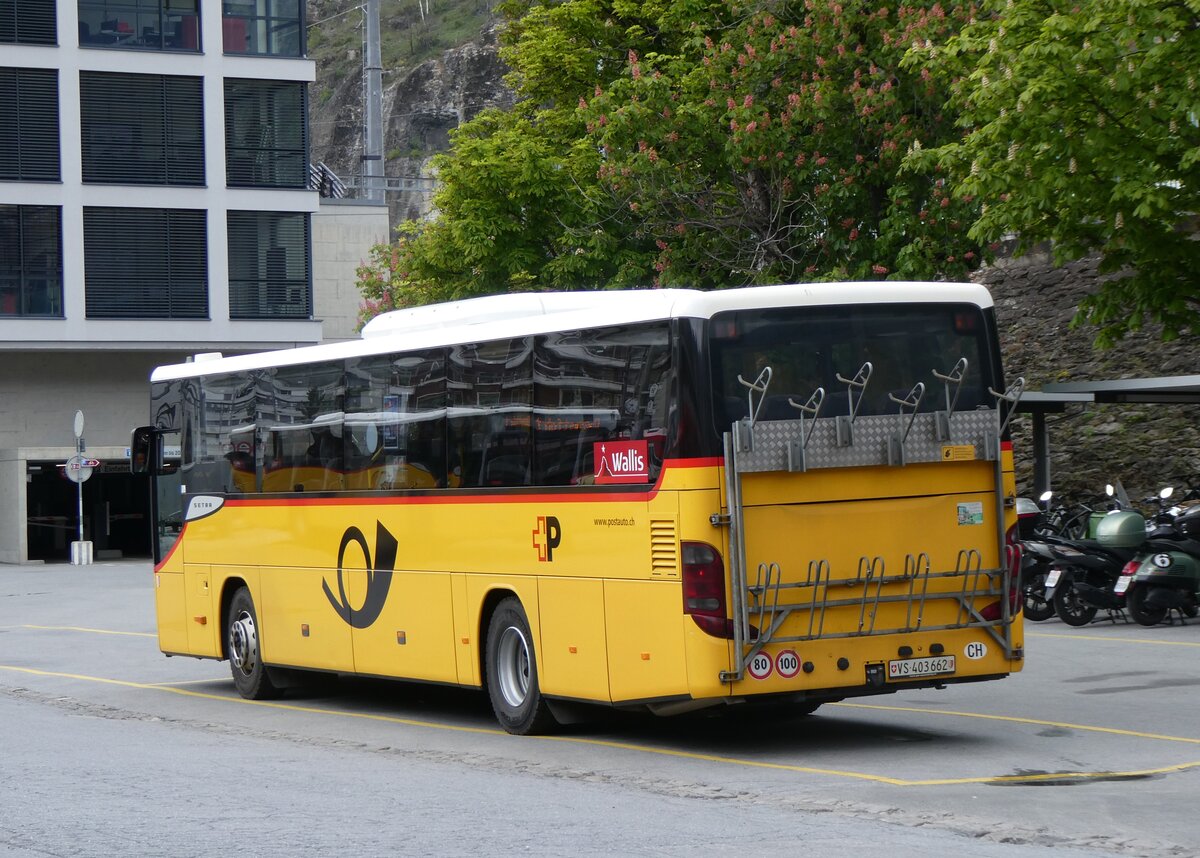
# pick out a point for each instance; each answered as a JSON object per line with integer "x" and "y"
{"x": 1165, "y": 578}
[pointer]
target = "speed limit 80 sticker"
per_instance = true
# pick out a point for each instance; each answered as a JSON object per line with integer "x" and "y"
{"x": 761, "y": 665}
{"x": 787, "y": 663}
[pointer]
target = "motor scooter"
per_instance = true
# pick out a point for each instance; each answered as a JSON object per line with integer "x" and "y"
{"x": 1035, "y": 565}
{"x": 1165, "y": 576}
{"x": 1048, "y": 520}
{"x": 1084, "y": 572}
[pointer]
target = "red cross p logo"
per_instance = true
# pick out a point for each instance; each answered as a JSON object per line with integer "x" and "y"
{"x": 546, "y": 537}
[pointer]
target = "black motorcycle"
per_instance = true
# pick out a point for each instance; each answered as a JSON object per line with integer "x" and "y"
{"x": 1047, "y": 521}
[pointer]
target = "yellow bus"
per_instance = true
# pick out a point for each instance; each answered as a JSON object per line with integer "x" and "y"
{"x": 664, "y": 499}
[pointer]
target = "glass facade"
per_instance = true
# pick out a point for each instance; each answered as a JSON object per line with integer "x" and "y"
{"x": 142, "y": 129}
{"x": 269, "y": 266}
{"x": 271, "y": 27}
{"x": 27, "y": 22}
{"x": 266, "y": 135}
{"x": 145, "y": 263}
{"x": 29, "y": 147}
{"x": 30, "y": 261}
{"x": 157, "y": 25}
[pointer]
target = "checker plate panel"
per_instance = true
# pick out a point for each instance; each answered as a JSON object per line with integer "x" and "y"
{"x": 871, "y": 435}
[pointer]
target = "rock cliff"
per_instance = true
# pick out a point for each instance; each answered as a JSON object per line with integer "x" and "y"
{"x": 421, "y": 106}
{"x": 1145, "y": 446}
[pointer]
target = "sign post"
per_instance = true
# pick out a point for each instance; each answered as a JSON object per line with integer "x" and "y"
{"x": 78, "y": 469}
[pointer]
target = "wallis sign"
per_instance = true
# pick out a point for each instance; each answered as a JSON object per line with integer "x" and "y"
{"x": 621, "y": 462}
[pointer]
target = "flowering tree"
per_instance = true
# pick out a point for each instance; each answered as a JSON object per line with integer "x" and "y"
{"x": 774, "y": 149}
{"x": 1082, "y": 131}
{"x": 695, "y": 143}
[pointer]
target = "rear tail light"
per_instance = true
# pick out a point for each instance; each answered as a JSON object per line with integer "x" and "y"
{"x": 1130, "y": 568}
{"x": 704, "y": 589}
{"x": 1012, "y": 544}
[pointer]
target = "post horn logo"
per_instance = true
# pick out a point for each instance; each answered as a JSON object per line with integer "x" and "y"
{"x": 379, "y": 576}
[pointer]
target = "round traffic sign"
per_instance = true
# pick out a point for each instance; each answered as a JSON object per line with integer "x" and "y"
{"x": 79, "y": 468}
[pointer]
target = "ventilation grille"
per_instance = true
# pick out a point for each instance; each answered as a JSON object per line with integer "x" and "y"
{"x": 664, "y": 549}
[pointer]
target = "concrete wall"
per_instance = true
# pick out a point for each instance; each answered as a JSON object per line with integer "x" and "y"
{"x": 12, "y": 507}
{"x": 41, "y": 391}
{"x": 343, "y": 232}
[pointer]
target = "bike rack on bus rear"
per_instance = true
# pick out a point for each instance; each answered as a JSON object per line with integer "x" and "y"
{"x": 812, "y": 441}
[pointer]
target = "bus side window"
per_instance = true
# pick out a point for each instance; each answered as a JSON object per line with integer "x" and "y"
{"x": 489, "y": 389}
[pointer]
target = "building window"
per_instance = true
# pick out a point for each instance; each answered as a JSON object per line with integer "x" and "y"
{"x": 269, "y": 271}
{"x": 30, "y": 261}
{"x": 274, "y": 27}
{"x": 266, "y": 138}
{"x": 27, "y": 22}
{"x": 142, "y": 129}
{"x": 29, "y": 125}
{"x": 145, "y": 263}
{"x": 156, "y": 25}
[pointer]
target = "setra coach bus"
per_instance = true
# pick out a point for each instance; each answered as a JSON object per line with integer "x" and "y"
{"x": 666, "y": 499}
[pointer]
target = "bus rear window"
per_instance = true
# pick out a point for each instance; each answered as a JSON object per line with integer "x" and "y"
{"x": 810, "y": 347}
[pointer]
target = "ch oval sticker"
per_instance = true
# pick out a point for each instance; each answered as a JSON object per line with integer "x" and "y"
{"x": 975, "y": 650}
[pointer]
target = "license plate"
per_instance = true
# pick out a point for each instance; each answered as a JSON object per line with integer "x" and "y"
{"x": 1122, "y": 584}
{"x": 911, "y": 668}
{"x": 1052, "y": 578}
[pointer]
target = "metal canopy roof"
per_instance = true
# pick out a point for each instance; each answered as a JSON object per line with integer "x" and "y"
{"x": 1170, "y": 389}
{"x": 1040, "y": 402}
{"x": 1055, "y": 397}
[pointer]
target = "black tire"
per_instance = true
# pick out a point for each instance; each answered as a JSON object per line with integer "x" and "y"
{"x": 1070, "y": 606}
{"x": 242, "y": 647}
{"x": 1142, "y": 614}
{"x": 1191, "y": 610}
{"x": 1035, "y": 604}
{"x": 512, "y": 677}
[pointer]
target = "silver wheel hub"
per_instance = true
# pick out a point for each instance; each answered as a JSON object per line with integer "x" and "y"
{"x": 512, "y": 666}
{"x": 243, "y": 643}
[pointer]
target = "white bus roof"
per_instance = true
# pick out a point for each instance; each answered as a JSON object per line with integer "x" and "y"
{"x": 499, "y": 316}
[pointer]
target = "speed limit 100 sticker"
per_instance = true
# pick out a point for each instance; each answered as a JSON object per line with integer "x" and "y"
{"x": 760, "y": 666}
{"x": 787, "y": 663}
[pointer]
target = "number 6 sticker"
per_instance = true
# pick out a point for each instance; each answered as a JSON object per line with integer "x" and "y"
{"x": 760, "y": 666}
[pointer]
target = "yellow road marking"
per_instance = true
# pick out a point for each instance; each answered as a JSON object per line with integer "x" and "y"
{"x": 1094, "y": 638}
{"x": 90, "y": 631}
{"x": 1014, "y": 719}
{"x": 690, "y": 755}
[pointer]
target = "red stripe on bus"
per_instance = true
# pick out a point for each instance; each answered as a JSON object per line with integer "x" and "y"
{"x": 171, "y": 553}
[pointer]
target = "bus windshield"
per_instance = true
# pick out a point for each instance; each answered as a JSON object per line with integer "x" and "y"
{"x": 809, "y": 347}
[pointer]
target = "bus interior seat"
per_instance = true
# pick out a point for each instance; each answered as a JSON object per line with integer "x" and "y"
{"x": 507, "y": 470}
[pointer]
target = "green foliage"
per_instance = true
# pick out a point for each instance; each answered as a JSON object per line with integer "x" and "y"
{"x": 771, "y": 148}
{"x": 694, "y": 143}
{"x": 1081, "y": 120}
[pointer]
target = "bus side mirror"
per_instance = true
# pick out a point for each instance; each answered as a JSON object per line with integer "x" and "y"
{"x": 145, "y": 451}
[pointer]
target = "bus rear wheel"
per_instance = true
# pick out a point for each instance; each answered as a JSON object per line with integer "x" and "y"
{"x": 511, "y": 668}
{"x": 243, "y": 648}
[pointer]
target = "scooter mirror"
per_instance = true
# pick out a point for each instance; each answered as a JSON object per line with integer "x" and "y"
{"x": 1109, "y": 490}
{"x": 1045, "y": 496}
{"x": 1166, "y": 492}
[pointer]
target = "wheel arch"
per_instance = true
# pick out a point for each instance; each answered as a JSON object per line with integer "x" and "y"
{"x": 491, "y": 600}
{"x": 228, "y": 587}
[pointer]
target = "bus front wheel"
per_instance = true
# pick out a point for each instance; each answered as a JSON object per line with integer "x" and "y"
{"x": 243, "y": 648}
{"x": 512, "y": 677}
